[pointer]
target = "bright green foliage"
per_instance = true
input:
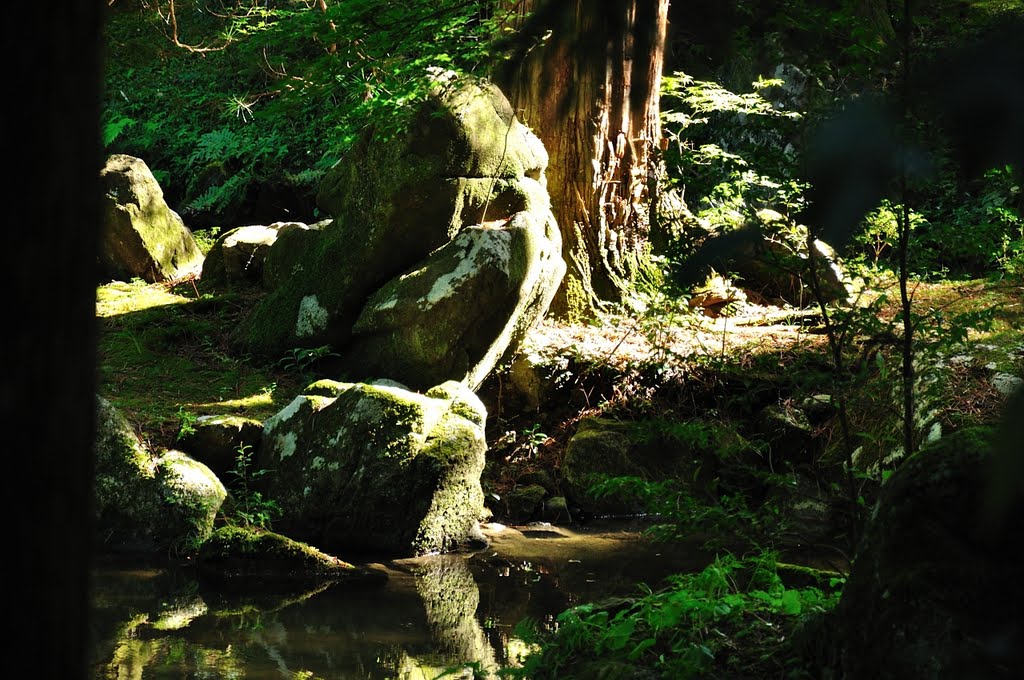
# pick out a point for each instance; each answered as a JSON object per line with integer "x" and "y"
{"x": 188, "y": 423}
{"x": 281, "y": 93}
{"x": 678, "y": 510}
{"x": 879, "y": 234}
{"x": 752, "y": 172}
{"x": 980, "y": 230}
{"x": 304, "y": 359}
{"x": 682, "y": 631}
{"x": 735, "y": 154}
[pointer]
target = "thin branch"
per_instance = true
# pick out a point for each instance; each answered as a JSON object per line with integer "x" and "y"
{"x": 177, "y": 43}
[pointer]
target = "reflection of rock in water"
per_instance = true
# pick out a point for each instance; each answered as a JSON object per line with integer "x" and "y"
{"x": 451, "y": 597}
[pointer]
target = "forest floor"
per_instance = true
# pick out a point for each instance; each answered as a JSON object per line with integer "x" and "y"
{"x": 165, "y": 358}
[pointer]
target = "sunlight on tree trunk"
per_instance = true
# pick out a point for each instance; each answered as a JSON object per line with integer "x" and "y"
{"x": 585, "y": 76}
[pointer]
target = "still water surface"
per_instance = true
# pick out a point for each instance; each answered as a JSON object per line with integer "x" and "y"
{"x": 433, "y": 613}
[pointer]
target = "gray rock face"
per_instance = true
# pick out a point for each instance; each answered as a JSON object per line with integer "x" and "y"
{"x": 452, "y": 222}
{"x": 145, "y": 502}
{"x": 141, "y": 237}
{"x": 377, "y": 467}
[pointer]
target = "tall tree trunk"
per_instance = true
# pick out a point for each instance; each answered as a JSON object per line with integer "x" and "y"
{"x": 48, "y": 388}
{"x": 585, "y": 76}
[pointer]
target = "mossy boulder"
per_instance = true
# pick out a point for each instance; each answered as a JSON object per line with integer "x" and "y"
{"x": 375, "y": 467}
{"x": 464, "y": 308}
{"x": 465, "y": 161}
{"x": 523, "y": 502}
{"x": 216, "y": 441}
{"x": 141, "y": 237}
{"x": 144, "y": 502}
{"x": 933, "y": 593}
{"x": 256, "y": 559}
{"x": 237, "y": 257}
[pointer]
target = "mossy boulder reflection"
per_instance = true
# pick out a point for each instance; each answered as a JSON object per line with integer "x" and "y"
{"x": 376, "y": 467}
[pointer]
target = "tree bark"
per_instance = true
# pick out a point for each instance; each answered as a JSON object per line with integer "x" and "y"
{"x": 47, "y": 394}
{"x": 585, "y": 75}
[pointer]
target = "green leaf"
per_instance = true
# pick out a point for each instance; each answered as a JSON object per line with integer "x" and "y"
{"x": 620, "y": 633}
{"x": 791, "y": 603}
{"x": 640, "y": 648}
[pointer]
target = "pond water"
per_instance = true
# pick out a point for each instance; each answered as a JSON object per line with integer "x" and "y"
{"x": 432, "y": 614}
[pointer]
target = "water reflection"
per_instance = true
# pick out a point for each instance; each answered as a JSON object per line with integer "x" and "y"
{"x": 432, "y": 614}
{"x": 451, "y": 598}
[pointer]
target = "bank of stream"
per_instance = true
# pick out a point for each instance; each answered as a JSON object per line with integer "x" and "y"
{"x": 434, "y": 613}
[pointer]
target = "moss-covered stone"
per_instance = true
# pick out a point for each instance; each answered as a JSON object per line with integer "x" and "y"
{"x": 216, "y": 441}
{"x": 465, "y": 307}
{"x": 523, "y": 502}
{"x": 145, "y": 502}
{"x": 393, "y": 203}
{"x": 259, "y": 559}
{"x": 141, "y": 236}
{"x": 377, "y": 467}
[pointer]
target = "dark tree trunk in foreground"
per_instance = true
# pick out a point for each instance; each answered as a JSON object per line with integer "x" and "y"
{"x": 51, "y": 214}
{"x": 585, "y": 76}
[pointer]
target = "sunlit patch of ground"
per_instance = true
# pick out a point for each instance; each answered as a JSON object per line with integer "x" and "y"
{"x": 619, "y": 340}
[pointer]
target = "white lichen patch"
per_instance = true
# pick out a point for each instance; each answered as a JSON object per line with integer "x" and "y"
{"x": 286, "y": 444}
{"x": 494, "y": 245}
{"x": 317, "y": 463}
{"x": 387, "y": 304}
{"x": 284, "y": 414}
{"x": 255, "y": 234}
{"x": 1006, "y": 384}
{"x": 312, "y": 317}
{"x": 337, "y": 437}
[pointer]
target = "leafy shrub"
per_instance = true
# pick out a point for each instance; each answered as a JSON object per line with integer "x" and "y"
{"x": 684, "y": 630}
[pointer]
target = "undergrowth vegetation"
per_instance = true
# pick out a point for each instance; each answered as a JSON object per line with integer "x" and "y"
{"x": 688, "y": 629}
{"x": 240, "y": 108}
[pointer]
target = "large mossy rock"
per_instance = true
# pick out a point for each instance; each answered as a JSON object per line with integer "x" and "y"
{"x": 375, "y": 467}
{"x": 464, "y": 308}
{"x": 148, "y": 503}
{"x": 141, "y": 237}
{"x": 467, "y": 170}
{"x": 934, "y": 591}
{"x": 238, "y": 255}
{"x": 250, "y": 559}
